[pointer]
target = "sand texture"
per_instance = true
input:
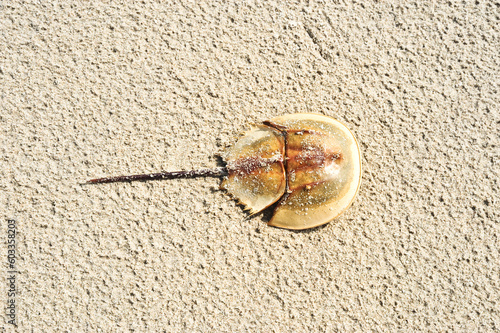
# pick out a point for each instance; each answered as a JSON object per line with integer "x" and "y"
{"x": 90, "y": 89}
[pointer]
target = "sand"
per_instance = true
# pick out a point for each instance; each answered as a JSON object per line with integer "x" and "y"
{"x": 95, "y": 89}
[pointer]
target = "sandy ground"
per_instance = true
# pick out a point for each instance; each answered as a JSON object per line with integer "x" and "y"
{"x": 92, "y": 89}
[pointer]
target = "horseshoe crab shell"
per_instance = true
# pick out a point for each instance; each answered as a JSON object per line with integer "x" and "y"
{"x": 308, "y": 165}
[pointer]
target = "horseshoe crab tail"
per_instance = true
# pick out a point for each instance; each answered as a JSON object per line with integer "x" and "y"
{"x": 216, "y": 172}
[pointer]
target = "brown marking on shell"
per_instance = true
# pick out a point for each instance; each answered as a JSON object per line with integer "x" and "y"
{"x": 251, "y": 165}
{"x": 310, "y": 159}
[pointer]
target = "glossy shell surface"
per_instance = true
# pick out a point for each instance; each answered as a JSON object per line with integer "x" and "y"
{"x": 256, "y": 171}
{"x": 308, "y": 165}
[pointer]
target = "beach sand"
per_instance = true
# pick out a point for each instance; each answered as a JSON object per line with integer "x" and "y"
{"x": 92, "y": 89}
